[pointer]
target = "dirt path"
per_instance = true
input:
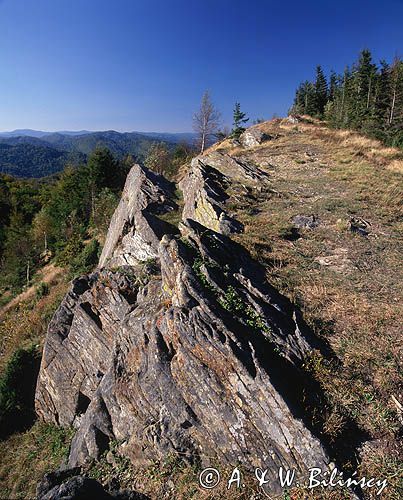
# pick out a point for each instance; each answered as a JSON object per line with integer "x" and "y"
{"x": 46, "y": 274}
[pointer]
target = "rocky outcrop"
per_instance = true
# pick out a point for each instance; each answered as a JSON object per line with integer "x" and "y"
{"x": 135, "y": 229}
{"x": 193, "y": 353}
{"x": 305, "y": 221}
{"x": 253, "y": 137}
{"x": 204, "y": 188}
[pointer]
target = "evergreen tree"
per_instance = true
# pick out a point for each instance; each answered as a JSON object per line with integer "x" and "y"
{"x": 383, "y": 92}
{"x": 333, "y": 84}
{"x": 239, "y": 120}
{"x": 364, "y": 84}
{"x": 365, "y": 98}
{"x": 395, "y": 121}
{"x": 320, "y": 92}
{"x": 304, "y": 102}
{"x": 101, "y": 171}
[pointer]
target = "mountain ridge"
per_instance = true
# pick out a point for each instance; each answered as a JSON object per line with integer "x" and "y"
{"x": 51, "y": 152}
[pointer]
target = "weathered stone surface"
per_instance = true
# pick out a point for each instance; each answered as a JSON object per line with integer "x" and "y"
{"x": 293, "y": 119}
{"x": 236, "y": 170}
{"x": 253, "y": 137}
{"x": 305, "y": 221}
{"x": 360, "y": 226}
{"x": 71, "y": 485}
{"x": 204, "y": 189}
{"x": 197, "y": 356}
{"x": 135, "y": 231}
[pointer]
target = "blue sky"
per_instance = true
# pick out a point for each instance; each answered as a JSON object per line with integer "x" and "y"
{"x": 143, "y": 64}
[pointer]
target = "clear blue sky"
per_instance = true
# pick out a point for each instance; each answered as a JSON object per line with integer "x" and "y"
{"x": 143, "y": 64}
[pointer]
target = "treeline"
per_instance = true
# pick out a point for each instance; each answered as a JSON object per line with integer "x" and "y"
{"x": 65, "y": 217}
{"x": 367, "y": 97}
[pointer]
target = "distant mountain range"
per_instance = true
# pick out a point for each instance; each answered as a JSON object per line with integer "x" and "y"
{"x": 34, "y": 153}
{"x": 39, "y": 133}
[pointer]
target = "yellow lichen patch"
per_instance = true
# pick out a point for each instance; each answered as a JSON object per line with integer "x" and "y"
{"x": 206, "y": 214}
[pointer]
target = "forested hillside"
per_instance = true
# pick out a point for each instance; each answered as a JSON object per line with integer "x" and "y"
{"x": 366, "y": 97}
{"x": 32, "y": 160}
{"x": 35, "y": 157}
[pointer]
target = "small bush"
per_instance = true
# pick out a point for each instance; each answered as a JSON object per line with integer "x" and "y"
{"x": 17, "y": 390}
{"x": 42, "y": 290}
{"x": 87, "y": 259}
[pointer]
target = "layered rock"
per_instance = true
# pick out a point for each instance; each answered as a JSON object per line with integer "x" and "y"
{"x": 135, "y": 230}
{"x": 193, "y": 354}
{"x": 204, "y": 196}
{"x": 253, "y": 137}
{"x": 71, "y": 484}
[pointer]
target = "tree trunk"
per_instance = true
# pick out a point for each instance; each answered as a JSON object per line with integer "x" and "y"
{"x": 369, "y": 92}
{"x": 392, "y": 109}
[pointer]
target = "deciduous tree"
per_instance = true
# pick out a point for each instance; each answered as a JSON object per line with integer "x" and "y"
{"x": 206, "y": 121}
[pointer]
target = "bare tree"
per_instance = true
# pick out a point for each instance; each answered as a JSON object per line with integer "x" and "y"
{"x": 206, "y": 120}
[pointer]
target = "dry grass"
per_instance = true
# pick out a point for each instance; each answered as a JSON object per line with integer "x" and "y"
{"x": 172, "y": 478}
{"x": 25, "y": 323}
{"x": 26, "y": 457}
{"x": 396, "y": 166}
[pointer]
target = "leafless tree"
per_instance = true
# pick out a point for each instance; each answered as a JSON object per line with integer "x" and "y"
{"x": 206, "y": 120}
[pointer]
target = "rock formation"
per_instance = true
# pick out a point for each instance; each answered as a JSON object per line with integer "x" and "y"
{"x": 253, "y": 137}
{"x": 177, "y": 344}
{"x": 71, "y": 484}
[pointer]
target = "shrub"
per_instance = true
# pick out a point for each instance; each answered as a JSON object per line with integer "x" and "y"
{"x": 17, "y": 390}
{"x": 42, "y": 290}
{"x": 87, "y": 259}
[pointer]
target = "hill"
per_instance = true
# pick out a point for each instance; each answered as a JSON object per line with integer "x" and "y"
{"x": 45, "y": 153}
{"x": 23, "y": 159}
{"x": 282, "y": 295}
{"x": 120, "y": 144}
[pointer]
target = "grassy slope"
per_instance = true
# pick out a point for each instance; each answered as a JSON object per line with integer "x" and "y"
{"x": 26, "y": 456}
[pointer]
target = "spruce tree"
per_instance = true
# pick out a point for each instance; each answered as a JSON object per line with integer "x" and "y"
{"x": 239, "y": 120}
{"x": 365, "y": 98}
{"x": 321, "y": 92}
{"x": 395, "y": 120}
{"x": 333, "y": 84}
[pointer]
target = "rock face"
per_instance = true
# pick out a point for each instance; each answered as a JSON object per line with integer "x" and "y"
{"x": 253, "y": 137}
{"x": 193, "y": 353}
{"x": 135, "y": 231}
{"x": 204, "y": 195}
{"x": 305, "y": 221}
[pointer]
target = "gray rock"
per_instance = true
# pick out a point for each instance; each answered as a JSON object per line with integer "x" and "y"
{"x": 305, "y": 221}
{"x": 202, "y": 358}
{"x": 70, "y": 484}
{"x": 236, "y": 170}
{"x": 135, "y": 229}
{"x": 253, "y": 137}
{"x": 204, "y": 195}
{"x": 360, "y": 226}
{"x": 293, "y": 119}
